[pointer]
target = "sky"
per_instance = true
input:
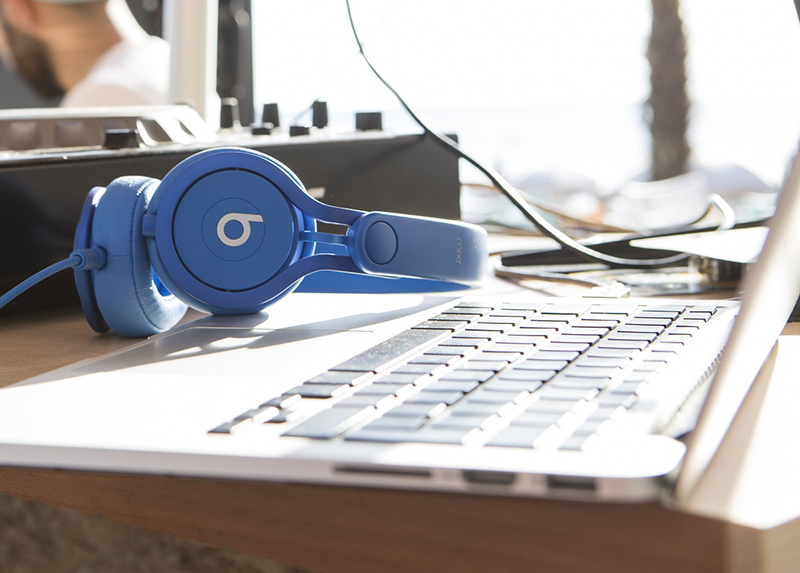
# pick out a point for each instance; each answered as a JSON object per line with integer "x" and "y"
{"x": 534, "y": 55}
{"x": 512, "y": 52}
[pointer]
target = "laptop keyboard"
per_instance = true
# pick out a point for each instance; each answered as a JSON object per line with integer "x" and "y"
{"x": 545, "y": 376}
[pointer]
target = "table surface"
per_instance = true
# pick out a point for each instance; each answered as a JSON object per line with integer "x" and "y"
{"x": 744, "y": 516}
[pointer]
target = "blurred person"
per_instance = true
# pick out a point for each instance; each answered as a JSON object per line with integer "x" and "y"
{"x": 93, "y": 52}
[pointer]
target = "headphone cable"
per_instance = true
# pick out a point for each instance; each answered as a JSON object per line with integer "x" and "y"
{"x": 79, "y": 260}
{"x": 510, "y": 192}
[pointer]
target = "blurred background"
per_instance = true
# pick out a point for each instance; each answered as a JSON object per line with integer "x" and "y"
{"x": 571, "y": 101}
{"x": 560, "y": 97}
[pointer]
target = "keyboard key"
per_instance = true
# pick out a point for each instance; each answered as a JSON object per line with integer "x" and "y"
{"x": 697, "y": 316}
{"x": 548, "y": 321}
{"x": 590, "y": 372}
{"x": 233, "y": 427}
{"x": 584, "y": 383}
{"x": 628, "y": 388}
{"x": 547, "y": 325}
{"x": 541, "y": 364}
{"x": 553, "y": 355}
{"x": 467, "y": 336}
{"x": 646, "y": 336}
{"x": 468, "y": 375}
{"x": 443, "y": 359}
{"x": 638, "y": 376}
{"x": 467, "y": 422}
{"x": 665, "y": 349}
{"x": 565, "y": 347}
{"x": 283, "y": 401}
{"x": 606, "y": 413}
{"x": 452, "y": 386}
{"x": 653, "y": 329}
{"x": 495, "y": 366}
{"x": 510, "y": 385}
{"x": 567, "y": 309}
{"x": 398, "y": 423}
{"x": 482, "y": 396}
{"x": 362, "y": 400}
{"x": 577, "y": 443}
{"x": 417, "y": 410}
{"x": 609, "y": 399}
{"x": 491, "y": 355}
{"x": 435, "y": 397}
{"x": 491, "y": 330}
{"x": 517, "y": 436}
{"x": 424, "y": 435}
{"x": 589, "y": 322}
{"x": 704, "y": 308}
{"x": 420, "y": 369}
{"x": 449, "y": 350}
{"x": 466, "y": 344}
{"x": 567, "y": 394}
{"x": 622, "y": 344}
{"x": 464, "y": 408}
{"x": 260, "y": 415}
{"x": 522, "y": 338}
{"x": 586, "y": 331}
{"x": 527, "y": 375}
{"x": 574, "y": 339}
{"x": 330, "y": 423}
{"x": 387, "y": 353}
{"x": 340, "y": 377}
{"x": 684, "y": 330}
{"x": 649, "y": 322}
{"x": 385, "y": 390}
{"x": 320, "y": 390}
{"x": 679, "y": 308}
{"x": 672, "y": 315}
{"x": 517, "y": 346}
{"x": 541, "y": 419}
{"x": 650, "y": 366}
{"x": 467, "y": 307}
{"x": 503, "y": 320}
{"x": 288, "y": 415}
{"x": 601, "y": 362}
{"x": 623, "y": 353}
{"x": 547, "y": 406}
{"x": 521, "y": 314}
{"x": 395, "y": 378}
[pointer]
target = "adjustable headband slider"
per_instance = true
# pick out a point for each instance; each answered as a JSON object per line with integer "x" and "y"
{"x": 402, "y": 245}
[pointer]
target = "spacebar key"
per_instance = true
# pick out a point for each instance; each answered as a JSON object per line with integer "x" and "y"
{"x": 330, "y": 423}
{"x": 389, "y": 352}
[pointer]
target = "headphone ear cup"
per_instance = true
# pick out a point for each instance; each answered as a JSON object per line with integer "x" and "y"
{"x": 124, "y": 289}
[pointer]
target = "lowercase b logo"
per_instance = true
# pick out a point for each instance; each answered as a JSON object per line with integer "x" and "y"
{"x": 244, "y": 219}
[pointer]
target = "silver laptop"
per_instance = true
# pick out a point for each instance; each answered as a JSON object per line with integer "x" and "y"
{"x": 499, "y": 392}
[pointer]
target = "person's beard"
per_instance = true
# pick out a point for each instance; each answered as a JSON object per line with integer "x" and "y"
{"x": 32, "y": 61}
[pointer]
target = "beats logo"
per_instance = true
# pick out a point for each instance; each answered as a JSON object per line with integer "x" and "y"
{"x": 244, "y": 219}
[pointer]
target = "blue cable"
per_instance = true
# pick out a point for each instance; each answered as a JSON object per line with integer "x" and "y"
{"x": 85, "y": 259}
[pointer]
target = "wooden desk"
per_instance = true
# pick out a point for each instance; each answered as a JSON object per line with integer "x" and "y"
{"x": 745, "y": 517}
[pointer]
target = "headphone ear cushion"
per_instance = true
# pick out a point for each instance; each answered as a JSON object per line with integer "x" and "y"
{"x": 126, "y": 293}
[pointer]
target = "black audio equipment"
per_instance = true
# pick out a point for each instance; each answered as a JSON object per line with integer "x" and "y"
{"x": 50, "y": 159}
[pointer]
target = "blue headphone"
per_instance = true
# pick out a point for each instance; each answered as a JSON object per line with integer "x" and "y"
{"x": 229, "y": 231}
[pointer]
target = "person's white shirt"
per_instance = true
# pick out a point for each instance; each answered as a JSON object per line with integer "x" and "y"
{"x": 130, "y": 73}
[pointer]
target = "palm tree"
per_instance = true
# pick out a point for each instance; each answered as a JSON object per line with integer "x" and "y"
{"x": 668, "y": 104}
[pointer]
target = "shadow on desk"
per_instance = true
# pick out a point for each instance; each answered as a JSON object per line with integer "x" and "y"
{"x": 38, "y": 538}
